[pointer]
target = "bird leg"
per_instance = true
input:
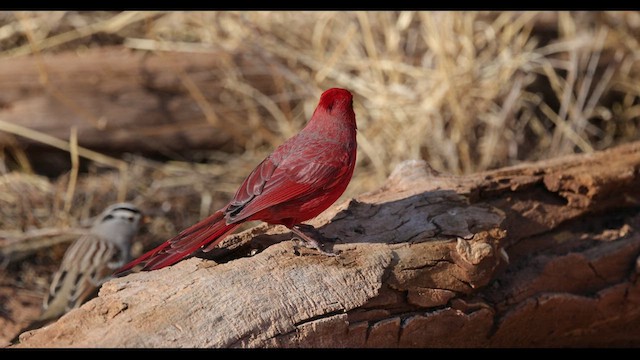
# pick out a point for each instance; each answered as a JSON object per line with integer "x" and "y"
{"x": 300, "y": 229}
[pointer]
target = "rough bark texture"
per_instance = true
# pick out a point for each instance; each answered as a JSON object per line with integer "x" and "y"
{"x": 542, "y": 254}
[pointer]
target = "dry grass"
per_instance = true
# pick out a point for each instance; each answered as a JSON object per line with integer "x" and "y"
{"x": 466, "y": 91}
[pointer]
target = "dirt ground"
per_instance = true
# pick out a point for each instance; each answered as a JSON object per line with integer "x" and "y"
{"x": 21, "y": 300}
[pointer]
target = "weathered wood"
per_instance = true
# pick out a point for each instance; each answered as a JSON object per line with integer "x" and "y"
{"x": 125, "y": 101}
{"x": 541, "y": 254}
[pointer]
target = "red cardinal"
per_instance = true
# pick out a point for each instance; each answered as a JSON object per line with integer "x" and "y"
{"x": 298, "y": 181}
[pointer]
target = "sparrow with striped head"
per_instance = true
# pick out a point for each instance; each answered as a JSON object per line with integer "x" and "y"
{"x": 90, "y": 261}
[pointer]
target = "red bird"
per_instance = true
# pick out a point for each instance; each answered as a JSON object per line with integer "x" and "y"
{"x": 298, "y": 181}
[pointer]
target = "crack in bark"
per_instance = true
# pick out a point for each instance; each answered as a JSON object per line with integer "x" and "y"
{"x": 401, "y": 224}
{"x": 595, "y": 272}
{"x": 464, "y": 282}
{"x": 318, "y": 317}
{"x": 428, "y": 265}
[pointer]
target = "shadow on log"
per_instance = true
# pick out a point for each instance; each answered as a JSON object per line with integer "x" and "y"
{"x": 541, "y": 254}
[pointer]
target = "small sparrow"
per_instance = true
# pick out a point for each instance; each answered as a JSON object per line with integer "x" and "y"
{"x": 90, "y": 261}
{"x": 92, "y": 258}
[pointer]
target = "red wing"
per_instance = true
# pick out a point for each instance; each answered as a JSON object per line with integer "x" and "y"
{"x": 252, "y": 186}
{"x": 293, "y": 178}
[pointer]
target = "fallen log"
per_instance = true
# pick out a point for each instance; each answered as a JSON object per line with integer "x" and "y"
{"x": 539, "y": 254}
{"x": 121, "y": 100}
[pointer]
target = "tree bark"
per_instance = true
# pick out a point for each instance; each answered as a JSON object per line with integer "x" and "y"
{"x": 540, "y": 254}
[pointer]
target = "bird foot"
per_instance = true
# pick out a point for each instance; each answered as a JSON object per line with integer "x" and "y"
{"x": 311, "y": 242}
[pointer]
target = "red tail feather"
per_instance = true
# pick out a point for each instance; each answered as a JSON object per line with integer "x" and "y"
{"x": 209, "y": 231}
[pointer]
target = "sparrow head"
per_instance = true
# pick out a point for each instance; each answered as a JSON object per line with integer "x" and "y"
{"x": 119, "y": 222}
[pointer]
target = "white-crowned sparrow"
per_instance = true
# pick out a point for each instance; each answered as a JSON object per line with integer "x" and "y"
{"x": 91, "y": 259}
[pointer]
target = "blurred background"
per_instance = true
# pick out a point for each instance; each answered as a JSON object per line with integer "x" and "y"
{"x": 171, "y": 110}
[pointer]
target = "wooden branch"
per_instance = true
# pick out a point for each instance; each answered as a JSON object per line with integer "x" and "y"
{"x": 542, "y": 254}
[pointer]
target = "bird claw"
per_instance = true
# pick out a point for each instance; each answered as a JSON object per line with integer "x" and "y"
{"x": 310, "y": 242}
{"x": 314, "y": 244}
